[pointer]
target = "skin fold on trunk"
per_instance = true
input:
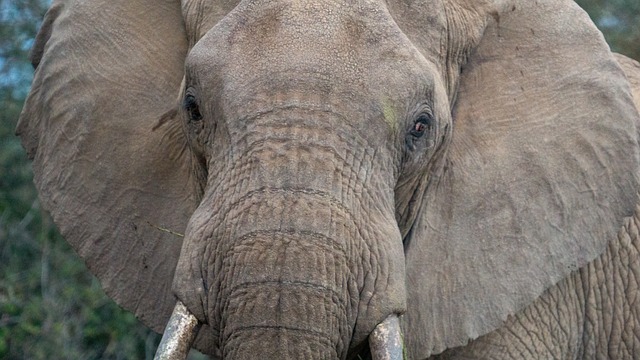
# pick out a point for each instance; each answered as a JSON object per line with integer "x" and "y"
{"x": 286, "y": 299}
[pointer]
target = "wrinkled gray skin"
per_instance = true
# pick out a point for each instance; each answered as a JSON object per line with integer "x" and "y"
{"x": 471, "y": 165}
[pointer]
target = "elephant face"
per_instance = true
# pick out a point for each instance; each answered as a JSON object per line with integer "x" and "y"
{"x": 297, "y": 146}
{"x": 330, "y": 165}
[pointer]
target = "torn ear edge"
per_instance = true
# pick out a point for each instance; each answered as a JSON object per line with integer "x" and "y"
{"x": 44, "y": 34}
{"x": 28, "y": 121}
{"x": 631, "y": 69}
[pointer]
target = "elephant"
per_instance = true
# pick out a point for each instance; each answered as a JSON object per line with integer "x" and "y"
{"x": 285, "y": 179}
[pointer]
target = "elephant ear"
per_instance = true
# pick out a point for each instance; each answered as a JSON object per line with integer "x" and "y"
{"x": 541, "y": 170}
{"x": 109, "y": 172}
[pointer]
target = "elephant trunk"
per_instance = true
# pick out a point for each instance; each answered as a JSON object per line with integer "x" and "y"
{"x": 293, "y": 242}
{"x": 287, "y": 298}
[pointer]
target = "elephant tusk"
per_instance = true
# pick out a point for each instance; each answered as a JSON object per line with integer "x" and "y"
{"x": 385, "y": 340}
{"x": 179, "y": 334}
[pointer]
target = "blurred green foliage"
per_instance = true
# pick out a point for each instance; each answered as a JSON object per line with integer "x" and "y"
{"x": 619, "y": 21}
{"x": 50, "y": 306}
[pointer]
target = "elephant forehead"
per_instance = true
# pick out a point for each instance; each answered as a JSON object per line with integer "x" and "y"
{"x": 340, "y": 40}
{"x": 368, "y": 83}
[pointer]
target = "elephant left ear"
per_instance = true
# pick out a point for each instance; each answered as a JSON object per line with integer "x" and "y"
{"x": 110, "y": 161}
{"x": 541, "y": 170}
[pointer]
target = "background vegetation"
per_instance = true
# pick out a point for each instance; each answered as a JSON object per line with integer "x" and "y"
{"x": 619, "y": 21}
{"x": 50, "y": 306}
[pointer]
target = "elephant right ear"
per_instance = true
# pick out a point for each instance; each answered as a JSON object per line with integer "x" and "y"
{"x": 540, "y": 173}
{"x": 109, "y": 172}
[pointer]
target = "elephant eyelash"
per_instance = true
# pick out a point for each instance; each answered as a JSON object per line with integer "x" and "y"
{"x": 421, "y": 125}
{"x": 424, "y": 124}
{"x": 190, "y": 105}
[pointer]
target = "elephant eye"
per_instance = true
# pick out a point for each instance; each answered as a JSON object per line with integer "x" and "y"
{"x": 190, "y": 105}
{"x": 421, "y": 126}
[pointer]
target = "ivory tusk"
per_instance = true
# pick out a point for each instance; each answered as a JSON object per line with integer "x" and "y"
{"x": 179, "y": 334}
{"x": 385, "y": 340}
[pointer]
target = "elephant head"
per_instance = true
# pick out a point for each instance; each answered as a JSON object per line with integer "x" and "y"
{"x": 331, "y": 165}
